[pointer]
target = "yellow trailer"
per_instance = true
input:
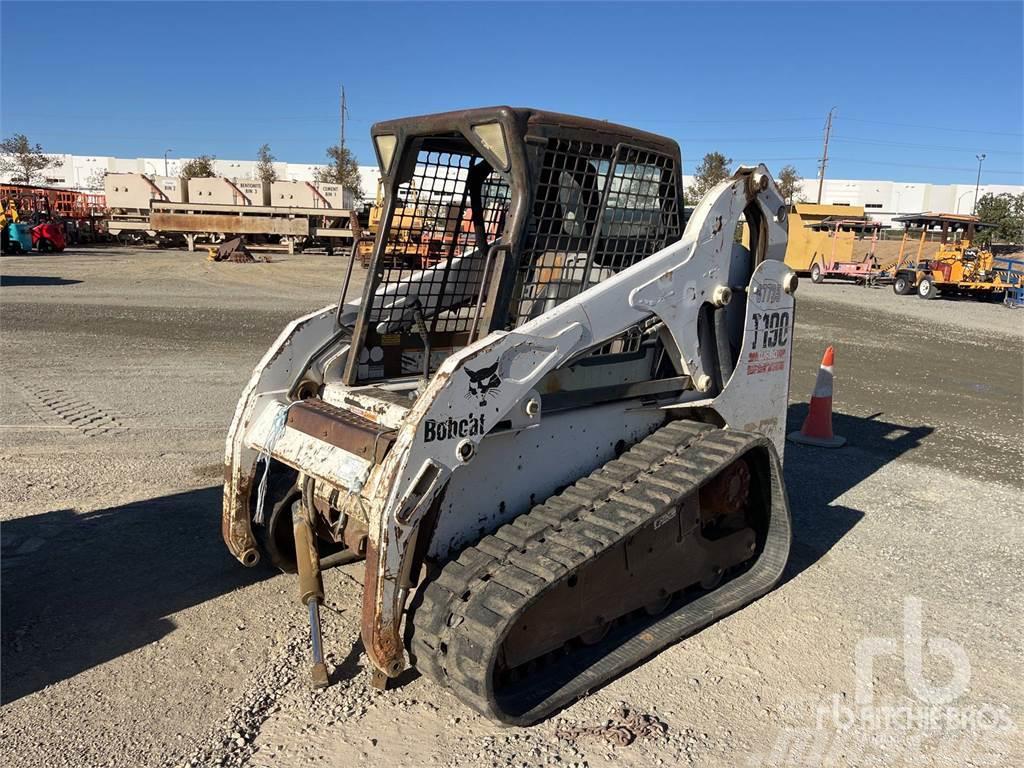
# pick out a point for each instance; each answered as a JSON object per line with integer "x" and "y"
{"x": 809, "y": 244}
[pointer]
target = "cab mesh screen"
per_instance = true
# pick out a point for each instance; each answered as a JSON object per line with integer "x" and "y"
{"x": 598, "y": 209}
{"x": 432, "y": 231}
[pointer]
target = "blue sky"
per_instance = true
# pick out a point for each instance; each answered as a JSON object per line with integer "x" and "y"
{"x": 919, "y": 88}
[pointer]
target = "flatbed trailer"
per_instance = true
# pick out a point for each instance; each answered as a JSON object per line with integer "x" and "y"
{"x": 196, "y": 221}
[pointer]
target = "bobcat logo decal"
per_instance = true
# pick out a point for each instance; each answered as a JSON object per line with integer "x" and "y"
{"x": 483, "y": 383}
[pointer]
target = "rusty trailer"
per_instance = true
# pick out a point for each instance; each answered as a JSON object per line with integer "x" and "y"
{"x": 292, "y": 227}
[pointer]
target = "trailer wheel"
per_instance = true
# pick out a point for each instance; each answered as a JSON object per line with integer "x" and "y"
{"x": 926, "y": 288}
{"x": 902, "y": 285}
{"x": 816, "y": 276}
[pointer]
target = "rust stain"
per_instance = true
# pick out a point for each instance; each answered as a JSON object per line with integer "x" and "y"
{"x": 381, "y": 639}
{"x": 235, "y": 527}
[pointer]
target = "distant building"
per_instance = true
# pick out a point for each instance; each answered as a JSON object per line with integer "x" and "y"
{"x": 85, "y": 172}
{"x": 882, "y": 200}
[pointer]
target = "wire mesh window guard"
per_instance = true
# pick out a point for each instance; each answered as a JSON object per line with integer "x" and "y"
{"x": 444, "y": 218}
{"x": 598, "y": 209}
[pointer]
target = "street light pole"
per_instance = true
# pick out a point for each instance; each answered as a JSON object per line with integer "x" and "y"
{"x": 960, "y": 199}
{"x": 977, "y": 184}
{"x": 166, "y": 152}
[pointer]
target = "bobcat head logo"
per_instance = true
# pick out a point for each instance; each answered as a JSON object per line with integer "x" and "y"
{"x": 483, "y": 383}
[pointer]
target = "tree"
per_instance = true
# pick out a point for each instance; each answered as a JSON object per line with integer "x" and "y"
{"x": 95, "y": 179}
{"x": 788, "y": 182}
{"x": 23, "y": 160}
{"x": 199, "y": 168}
{"x": 1006, "y": 211}
{"x": 712, "y": 169}
{"x": 265, "y": 165}
{"x": 343, "y": 169}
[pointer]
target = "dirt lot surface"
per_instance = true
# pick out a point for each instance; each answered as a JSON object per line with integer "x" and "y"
{"x": 131, "y": 638}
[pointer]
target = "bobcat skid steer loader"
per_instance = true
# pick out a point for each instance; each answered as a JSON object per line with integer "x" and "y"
{"x": 558, "y": 446}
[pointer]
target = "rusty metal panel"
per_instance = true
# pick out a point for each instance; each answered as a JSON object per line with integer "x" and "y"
{"x": 341, "y": 429}
{"x": 238, "y": 225}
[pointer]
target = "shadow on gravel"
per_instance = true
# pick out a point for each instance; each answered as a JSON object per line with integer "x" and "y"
{"x": 82, "y": 589}
{"x": 816, "y": 477}
{"x": 353, "y": 665}
{"x": 16, "y": 280}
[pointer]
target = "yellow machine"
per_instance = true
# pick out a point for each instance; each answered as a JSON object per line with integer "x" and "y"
{"x": 958, "y": 267}
{"x": 404, "y": 249}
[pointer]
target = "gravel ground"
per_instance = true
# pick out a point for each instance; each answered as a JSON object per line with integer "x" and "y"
{"x": 131, "y": 638}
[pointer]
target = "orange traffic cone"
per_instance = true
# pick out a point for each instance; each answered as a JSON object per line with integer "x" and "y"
{"x": 817, "y": 428}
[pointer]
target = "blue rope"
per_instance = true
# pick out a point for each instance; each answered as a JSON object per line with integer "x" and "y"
{"x": 276, "y": 430}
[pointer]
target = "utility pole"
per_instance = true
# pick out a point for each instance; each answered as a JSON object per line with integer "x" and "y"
{"x": 977, "y": 184}
{"x": 166, "y": 152}
{"x": 824, "y": 154}
{"x": 343, "y": 113}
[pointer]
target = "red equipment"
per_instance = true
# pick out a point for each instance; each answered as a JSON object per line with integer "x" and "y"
{"x": 83, "y": 213}
{"x": 48, "y": 237}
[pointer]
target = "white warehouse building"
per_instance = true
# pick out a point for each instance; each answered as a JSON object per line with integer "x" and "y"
{"x": 882, "y": 200}
{"x": 85, "y": 172}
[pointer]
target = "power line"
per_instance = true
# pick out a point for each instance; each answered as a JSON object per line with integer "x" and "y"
{"x": 932, "y": 127}
{"x": 739, "y": 120}
{"x": 749, "y": 140}
{"x": 785, "y": 159}
{"x": 883, "y": 143}
{"x": 923, "y": 165}
{"x": 203, "y": 118}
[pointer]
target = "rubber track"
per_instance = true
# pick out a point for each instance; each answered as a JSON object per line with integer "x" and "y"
{"x": 466, "y": 610}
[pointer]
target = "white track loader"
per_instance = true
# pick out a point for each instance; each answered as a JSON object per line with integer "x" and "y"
{"x": 552, "y": 424}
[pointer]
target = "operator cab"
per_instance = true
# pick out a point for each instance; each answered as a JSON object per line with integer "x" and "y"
{"x": 492, "y": 217}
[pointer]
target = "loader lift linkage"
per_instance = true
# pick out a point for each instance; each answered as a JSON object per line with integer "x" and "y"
{"x": 556, "y": 442}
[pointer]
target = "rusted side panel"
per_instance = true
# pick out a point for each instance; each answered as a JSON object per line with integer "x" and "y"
{"x": 383, "y": 644}
{"x": 237, "y": 225}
